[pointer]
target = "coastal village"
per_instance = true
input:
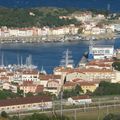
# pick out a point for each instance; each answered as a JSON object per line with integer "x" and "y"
{"x": 94, "y": 67}
{"x": 88, "y": 74}
{"x": 97, "y": 26}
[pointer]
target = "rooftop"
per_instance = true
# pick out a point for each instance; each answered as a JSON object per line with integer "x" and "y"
{"x": 26, "y": 100}
{"x": 80, "y": 97}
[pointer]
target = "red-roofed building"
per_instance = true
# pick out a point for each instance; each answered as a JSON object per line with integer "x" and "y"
{"x": 30, "y": 75}
{"x": 29, "y": 86}
{"x": 26, "y": 104}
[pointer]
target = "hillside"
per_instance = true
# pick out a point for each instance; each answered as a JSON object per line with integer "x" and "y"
{"x": 19, "y": 17}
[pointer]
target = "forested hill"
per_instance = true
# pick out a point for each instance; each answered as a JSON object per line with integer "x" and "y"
{"x": 19, "y": 17}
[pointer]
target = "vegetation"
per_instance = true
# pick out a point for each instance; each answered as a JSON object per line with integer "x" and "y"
{"x": 116, "y": 65}
{"x": 107, "y": 88}
{"x": 35, "y": 116}
{"x": 16, "y": 17}
{"x": 4, "y": 114}
{"x": 112, "y": 117}
{"x": 73, "y": 92}
{"x": 5, "y": 94}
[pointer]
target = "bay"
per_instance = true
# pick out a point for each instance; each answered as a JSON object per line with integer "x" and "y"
{"x": 99, "y": 4}
{"x": 48, "y": 55}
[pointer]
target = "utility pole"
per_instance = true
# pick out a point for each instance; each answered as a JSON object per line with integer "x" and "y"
{"x": 61, "y": 95}
{"x": 53, "y": 105}
{"x": 75, "y": 114}
{"x": 107, "y": 109}
{"x": 84, "y": 107}
{"x": 99, "y": 110}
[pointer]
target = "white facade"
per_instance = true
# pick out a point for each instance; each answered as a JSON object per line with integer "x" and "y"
{"x": 13, "y": 32}
{"x": 30, "y": 76}
{"x": 25, "y": 104}
{"x": 9, "y": 86}
{"x": 103, "y": 51}
{"x": 79, "y": 101}
{"x": 117, "y": 27}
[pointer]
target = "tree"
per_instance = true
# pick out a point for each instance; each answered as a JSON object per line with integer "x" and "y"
{"x": 78, "y": 89}
{"x": 19, "y": 92}
{"x": 29, "y": 94}
{"x": 80, "y": 30}
{"x": 15, "y": 118}
{"x": 72, "y": 92}
{"x": 4, "y": 94}
{"x": 116, "y": 65}
{"x": 107, "y": 88}
{"x": 37, "y": 116}
{"x": 4, "y": 114}
{"x": 112, "y": 117}
{"x": 88, "y": 92}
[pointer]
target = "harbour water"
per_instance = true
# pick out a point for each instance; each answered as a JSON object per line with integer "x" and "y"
{"x": 47, "y": 55}
{"x": 99, "y": 4}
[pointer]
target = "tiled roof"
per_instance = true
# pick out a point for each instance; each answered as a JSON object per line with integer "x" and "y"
{"x": 30, "y": 72}
{"x": 80, "y": 97}
{"x": 67, "y": 84}
{"x": 48, "y": 77}
{"x": 39, "y": 88}
{"x": 26, "y": 100}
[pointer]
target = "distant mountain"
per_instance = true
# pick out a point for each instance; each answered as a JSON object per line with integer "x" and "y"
{"x": 100, "y": 4}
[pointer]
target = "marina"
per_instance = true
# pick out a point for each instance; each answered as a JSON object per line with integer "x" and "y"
{"x": 48, "y": 55}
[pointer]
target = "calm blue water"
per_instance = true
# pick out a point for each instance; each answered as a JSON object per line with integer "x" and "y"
{"x": 48, "y": 54}
{"x": 99, "y": 4}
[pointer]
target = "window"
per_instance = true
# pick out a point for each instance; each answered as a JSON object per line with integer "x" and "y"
{"x": 29, "y": 106}
{"x": 34, "y": 105}
{"x": 107, "y": 51}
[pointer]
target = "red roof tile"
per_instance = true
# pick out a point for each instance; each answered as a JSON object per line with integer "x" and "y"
{"x": 80, "y": 97}
{"x": 26, "y": 100}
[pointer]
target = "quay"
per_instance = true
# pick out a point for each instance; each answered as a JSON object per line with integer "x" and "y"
{"x": 55, "y": 38}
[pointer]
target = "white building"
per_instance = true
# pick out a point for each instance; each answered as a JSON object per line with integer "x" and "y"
{"x": 78, "y": 100}
{"x": 102, "y": 51}
{"x": 9, "y": 86}
{"x": 13, "y": 32}
{"x": 30, "y": 75}
{"x": 117, "y": 27}
{"x": 26, "y": 104}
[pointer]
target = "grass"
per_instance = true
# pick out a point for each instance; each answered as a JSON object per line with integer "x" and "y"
{"x": 91, "y": 114}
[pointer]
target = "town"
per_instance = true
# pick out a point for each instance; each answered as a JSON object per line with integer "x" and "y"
{"x": 73, "y": 83}
{"x": 87, "y": 24}
{"x": 25, "y": 89}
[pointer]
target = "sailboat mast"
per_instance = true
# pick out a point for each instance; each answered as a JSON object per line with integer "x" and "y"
{"x": 2, "y": 59}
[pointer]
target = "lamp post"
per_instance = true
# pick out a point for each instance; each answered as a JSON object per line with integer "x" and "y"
{"x": 61, "y": 97}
